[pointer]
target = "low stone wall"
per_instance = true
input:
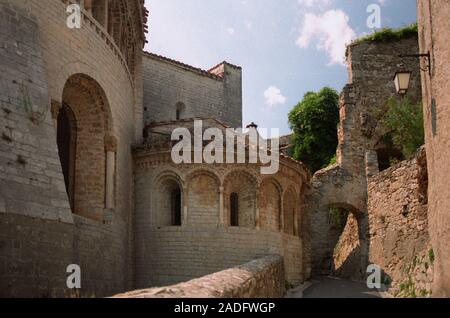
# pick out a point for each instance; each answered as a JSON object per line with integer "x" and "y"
{"x": 399, "y": 240}
{"x": 262, "y": 278}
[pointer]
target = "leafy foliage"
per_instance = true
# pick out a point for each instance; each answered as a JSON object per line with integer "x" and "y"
{"x": 339, "y": 216}
{"x": 431, "y": 256}
{"x": 333, "y": 160}
{"x": 387, "y": 34}
{"x": 404, "y": 122}
{"x": 314, "y": 121}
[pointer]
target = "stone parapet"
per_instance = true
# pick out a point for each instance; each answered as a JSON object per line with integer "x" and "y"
{"x": 262, "y": 278}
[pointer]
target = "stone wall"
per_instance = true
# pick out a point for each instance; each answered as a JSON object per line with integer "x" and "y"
{"x": 262, "y": 278}
{"x": 434, "y": 27}
{"x": 177, "y": 254}
{"x": 34, "y": 255}
{"x": 371, "y": 66}
{"x": 168, "y": 84}
{"x": 399, "y": 240}
{"x": 42, "y": 236}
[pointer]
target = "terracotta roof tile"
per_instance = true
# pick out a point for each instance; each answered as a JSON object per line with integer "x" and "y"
{"x": 189, "y": 67}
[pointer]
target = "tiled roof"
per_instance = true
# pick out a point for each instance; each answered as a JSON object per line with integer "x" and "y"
{"x": 188, "y": 67}
{"x": 224, "y": 62}
{"x": 144, "y": 15}
{"x": 187, "y": 120}
{"x": 182, "y": 65}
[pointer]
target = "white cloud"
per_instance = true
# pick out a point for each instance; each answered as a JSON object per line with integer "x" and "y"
{"x": 274, "y": 97}
{"x": 314, "y": 3}
{"x": 331, "y": 32}
{"x": 230, "y": 30}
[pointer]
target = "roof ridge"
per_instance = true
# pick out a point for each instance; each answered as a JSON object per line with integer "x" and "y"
{"x": 186, "y": 120}
{"x": 183, "y": 65}
{"x": 224, "y": 62}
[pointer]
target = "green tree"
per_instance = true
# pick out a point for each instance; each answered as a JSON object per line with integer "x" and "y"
{"x": 314, "y": 122}
{"x": 403, "y": 121}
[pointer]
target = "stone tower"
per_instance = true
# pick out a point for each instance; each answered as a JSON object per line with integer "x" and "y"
{"x": 71, "y": 106}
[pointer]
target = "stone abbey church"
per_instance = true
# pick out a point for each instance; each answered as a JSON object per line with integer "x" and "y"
{"x": 87, "y": 178}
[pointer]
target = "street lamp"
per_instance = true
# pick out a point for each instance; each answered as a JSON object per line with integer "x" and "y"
{"x": 402, "y": 80}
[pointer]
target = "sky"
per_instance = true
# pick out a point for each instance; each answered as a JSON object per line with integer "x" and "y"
{"x": 285, "y": 47}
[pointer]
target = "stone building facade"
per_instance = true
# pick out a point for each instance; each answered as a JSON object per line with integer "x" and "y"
{"x": 82, "y": 182}
{"x": 81, "y": 87}
{"x": 87, "y": 178}
{"x": 196, "y": 219}
{"x": 174, "y": 90}
{"x": 434, "y": 27}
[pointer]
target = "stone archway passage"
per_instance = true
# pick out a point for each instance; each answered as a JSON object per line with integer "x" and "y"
{"x": 346, "y": 251}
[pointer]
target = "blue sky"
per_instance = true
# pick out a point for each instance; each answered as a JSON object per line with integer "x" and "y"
{"x": 286, "y": 47}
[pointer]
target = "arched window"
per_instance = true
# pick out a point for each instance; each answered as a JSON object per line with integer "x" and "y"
{"x": 290, "y": 220}
{"x": 168, "y": 209}
{"x": 176, "y": 207}
{"x": 234, "y": 209}
{"x": 180, "y": 111}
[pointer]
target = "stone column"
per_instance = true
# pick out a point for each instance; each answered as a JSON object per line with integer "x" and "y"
{"x": 221, "y": 207}
{"x": 282, "y": 213}
{"x": 185, "y": 206}
{"x": 55, "y": 109}
{"x": 87, "y": 5}
{"x": 110, "y": 149}
{"x": 257, "y": 212}
{"x": 372, "y": 167}
{"x": 106, "y": 17}
{"x": 296, "y": 221}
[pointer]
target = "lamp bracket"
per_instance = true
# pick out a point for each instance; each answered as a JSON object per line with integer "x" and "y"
{"x": 425, "y": 56}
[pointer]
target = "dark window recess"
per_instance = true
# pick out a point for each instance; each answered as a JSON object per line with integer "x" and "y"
{"x": 66, "y": 136}
{"x": 176, "y": 207}
{"x": 234, "y": 209}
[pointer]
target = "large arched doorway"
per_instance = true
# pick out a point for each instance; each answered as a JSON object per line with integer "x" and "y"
{"x": 84, "y": 144}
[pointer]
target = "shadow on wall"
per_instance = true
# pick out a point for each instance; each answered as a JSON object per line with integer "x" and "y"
{"x": 347, "y": 256}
